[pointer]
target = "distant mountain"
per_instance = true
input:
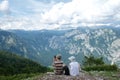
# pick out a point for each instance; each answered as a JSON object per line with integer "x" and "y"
{"x": 11, "y": 64}
{"x": 42, "y": 45}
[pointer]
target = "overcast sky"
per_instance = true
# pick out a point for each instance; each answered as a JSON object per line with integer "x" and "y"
{"x": 57, "y": 14}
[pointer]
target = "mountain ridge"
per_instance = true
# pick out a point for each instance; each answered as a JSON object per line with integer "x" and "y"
{"x": 42, "y": 44}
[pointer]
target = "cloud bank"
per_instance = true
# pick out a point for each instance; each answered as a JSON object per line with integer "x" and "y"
{"x": 57, "y": 15}
{"x": 84, "y": 12}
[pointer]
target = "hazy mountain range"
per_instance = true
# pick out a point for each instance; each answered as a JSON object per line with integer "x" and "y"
{"x": 42, "y": 45}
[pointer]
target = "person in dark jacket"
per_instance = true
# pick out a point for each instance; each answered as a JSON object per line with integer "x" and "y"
{"x": 66, "y": 70}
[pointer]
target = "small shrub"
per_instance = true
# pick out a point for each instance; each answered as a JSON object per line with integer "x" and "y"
{"x": 101, "y": 68}
{"x": 91, "y": 60}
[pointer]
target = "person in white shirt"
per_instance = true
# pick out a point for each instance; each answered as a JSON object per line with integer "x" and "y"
{"x": 74, "y": 66}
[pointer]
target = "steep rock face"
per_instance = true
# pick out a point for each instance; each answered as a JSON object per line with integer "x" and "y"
{"x": 10, "y": 42}
{"x": 42, "y": 45}
{"x": 99, "y": 42}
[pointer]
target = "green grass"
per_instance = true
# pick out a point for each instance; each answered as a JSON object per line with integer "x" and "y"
{"x": 107, "y": 75}
{"x": 19, "y": 77}
{"x": 36, "y": 77}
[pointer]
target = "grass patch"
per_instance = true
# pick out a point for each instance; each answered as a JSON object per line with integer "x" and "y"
{"x": 107, "y": 75}
{"x": 19, "y": 76}
{"x": 103, "y": 67}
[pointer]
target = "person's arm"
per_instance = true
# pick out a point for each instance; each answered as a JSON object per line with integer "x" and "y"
{"x": 79, "y": 67}
{"x": 69, "y": 66}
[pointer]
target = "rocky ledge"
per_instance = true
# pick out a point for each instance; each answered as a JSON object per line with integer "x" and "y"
{"x": 82, "y": 76}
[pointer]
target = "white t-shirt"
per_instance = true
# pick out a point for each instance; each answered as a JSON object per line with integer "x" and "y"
{"x": 74, "y": 68}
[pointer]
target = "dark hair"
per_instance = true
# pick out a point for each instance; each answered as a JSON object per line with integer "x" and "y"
{"x": 54, "y": 56}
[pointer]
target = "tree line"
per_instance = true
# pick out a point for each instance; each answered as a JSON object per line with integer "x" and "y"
{"x": 11, "y": 64}
{"x": 92, "y": 63}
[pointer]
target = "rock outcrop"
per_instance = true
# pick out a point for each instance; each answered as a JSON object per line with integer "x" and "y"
{"x": 82, "y": 76}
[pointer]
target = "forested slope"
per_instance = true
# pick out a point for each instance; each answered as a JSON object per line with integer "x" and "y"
{"x": 11, "y": 64}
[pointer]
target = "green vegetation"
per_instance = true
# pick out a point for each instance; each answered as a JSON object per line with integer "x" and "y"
{"x": 97, "y": 64}
{"x": 107, "y": 75}
{"x": 104, "y": 67}
{"x": 15, "y": 67}
{"x": 19, "y": 76}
